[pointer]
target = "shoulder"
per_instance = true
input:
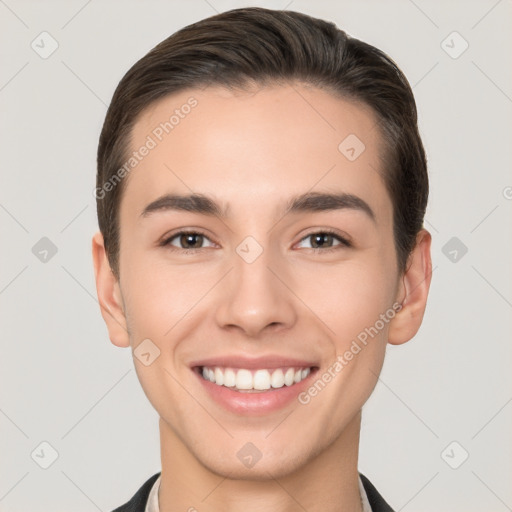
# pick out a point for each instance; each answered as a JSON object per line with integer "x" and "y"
{"x": 377, "y": 502}
{"x": 138, "y": 501}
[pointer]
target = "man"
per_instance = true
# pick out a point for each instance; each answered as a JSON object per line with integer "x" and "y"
{"x": 261, "y": 191}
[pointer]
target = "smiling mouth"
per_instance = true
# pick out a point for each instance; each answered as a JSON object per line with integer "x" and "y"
{"x": 256, "y": 380}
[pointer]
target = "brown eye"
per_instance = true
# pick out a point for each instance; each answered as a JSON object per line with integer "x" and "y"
{"x": 191, "y": 240}
{"x": 325, "y": 241}
{"x": 320, "y": 240}
{"x": 186, "y": 240}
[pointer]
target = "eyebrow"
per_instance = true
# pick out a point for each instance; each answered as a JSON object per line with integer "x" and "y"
{"x": 308, "y": 202}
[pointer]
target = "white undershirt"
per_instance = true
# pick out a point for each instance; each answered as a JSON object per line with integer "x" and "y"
{"x": 152, "y": 504}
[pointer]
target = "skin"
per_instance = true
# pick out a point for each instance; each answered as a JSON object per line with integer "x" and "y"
{"x": 253, "y": 150}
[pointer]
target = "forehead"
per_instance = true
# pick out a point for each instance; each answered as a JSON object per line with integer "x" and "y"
{"x": 250, "y": 148}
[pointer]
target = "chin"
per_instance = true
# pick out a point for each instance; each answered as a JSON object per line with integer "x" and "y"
{"x": 265, "y": 468}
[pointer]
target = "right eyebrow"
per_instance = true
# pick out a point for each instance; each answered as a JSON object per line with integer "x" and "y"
{"x": 196, "y": 203}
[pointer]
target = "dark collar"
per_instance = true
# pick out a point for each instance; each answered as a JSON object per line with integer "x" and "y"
{"x": 377, "y": 502}
{"x": 140, "y": 498}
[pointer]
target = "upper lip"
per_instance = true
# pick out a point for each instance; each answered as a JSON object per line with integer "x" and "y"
{"x": 269, "y": 361}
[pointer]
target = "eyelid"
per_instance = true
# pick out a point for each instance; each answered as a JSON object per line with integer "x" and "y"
{"x": 166, "y": 239}
{"x": 344, "y": 239}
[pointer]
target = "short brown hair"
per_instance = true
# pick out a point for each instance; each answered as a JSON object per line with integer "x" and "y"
{"x": 263, "y": 46}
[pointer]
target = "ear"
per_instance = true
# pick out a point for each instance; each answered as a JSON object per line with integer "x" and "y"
{"x": 412, "y": 292}
{"x": 109, "y": 294}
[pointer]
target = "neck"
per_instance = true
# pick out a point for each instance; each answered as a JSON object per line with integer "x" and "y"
{"x": 327, "y": 481}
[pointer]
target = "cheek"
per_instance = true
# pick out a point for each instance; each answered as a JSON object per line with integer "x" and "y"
{"x": 348, "y": 297}
{"x": 158, "y": 294}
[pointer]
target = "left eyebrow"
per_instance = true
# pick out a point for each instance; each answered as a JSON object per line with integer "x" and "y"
{"x": 308, "y": 202}
{"x": 321, "y": 202}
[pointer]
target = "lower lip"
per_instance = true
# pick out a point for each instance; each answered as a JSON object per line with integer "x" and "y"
{"x": 254, "y": 404}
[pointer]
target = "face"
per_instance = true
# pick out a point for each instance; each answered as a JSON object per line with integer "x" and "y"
{"x": 262, "y": 281}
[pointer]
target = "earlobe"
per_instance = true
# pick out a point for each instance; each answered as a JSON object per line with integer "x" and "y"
{"x": 413, "y": 292}
{"x": 109, "y": 294}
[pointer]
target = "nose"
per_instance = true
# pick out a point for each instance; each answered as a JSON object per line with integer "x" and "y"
{"x": 256, "y": 296}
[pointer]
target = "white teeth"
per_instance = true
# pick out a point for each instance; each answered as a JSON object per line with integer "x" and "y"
{"x": 288, "y": 376}
{"x": 259, "y": 380}
{"x": 244, "y": 379}
{"x": 229, "y": 378}
{"x": 219, "y": 377}
{"x": 277, "y": 379}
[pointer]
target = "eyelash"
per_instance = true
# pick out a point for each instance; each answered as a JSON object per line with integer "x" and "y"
{"x": 344, "y": 243}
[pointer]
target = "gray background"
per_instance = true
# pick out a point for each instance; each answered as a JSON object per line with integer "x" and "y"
{"x": 64, "y": 383}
